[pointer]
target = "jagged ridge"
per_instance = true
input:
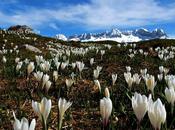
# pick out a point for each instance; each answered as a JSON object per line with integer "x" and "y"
{"x": 117, "y": 35}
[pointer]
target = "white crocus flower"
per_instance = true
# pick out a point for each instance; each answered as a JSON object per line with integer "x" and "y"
{"x": 150, "y": 83}
{"x": 73, "y": 65}
{"x": 55, "y": 76}
{"x": 91, "y": 61}
{"x": 18, "y": 66}
{"x": 96, "y": 73}
{"x": 136, "y": 78}
{"x": 128, "y": 68}
{"x": 170, "y": 80}
{"x": 129, "y": 79}
{"x": 160, "y": 56}
{"x": 114, "y": 78}
{"x": 63, "y": 105}
{"x": 107, "y": 94}
{"x": 170, "y": 95}
{"x": 45, "y": 79}
{"x": 42, "y": 109}
{"x": 160, "y": 77}
{"x": 23, "y": 124}
{"x": 63, "y": 65}
{"x": 48, "y": 85}
{"x": 57, "y": 64}
{"x": 156, "y": 113}
{"x": 102, "y": 52}
{"x": 143, "y": 71}
{"x": 69, "y": 82}
{"x": 80, "y": 66}
{"x": 166, "y": 70}
{"x": 161, "y": 69}
{"x": 97, "y": 83}
{"x": 139, "y": 105}
{"x": 99, "y": 68}
{"x": 4, "y": 60}
{"x": 30, "y": 68}
{"x": 131, "y": 55}
{"x": 105, "y": 110}
{"x": 17, "y": 59}
{"x": 38, "y": 75}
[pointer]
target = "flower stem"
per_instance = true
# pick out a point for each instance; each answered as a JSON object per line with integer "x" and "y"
{"x": 44, "y": 123}
{"x": 45, "y": 126}
{"x": 138, "y": 125}
{"x": 60, "y": 124}
{"x": 153, "y": 93}
{"x": 80, "y": 76}
{"x": 172, "y": 109}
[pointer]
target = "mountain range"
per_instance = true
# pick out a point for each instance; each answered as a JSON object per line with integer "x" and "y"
{"x": 117, "y": 35}
{"x": 112, "y": 35}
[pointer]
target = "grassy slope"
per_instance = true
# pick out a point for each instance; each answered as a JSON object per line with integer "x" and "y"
{"x": 84, "y": 114}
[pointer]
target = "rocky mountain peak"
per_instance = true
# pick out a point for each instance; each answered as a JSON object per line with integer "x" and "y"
{"x": 20, "y": 28}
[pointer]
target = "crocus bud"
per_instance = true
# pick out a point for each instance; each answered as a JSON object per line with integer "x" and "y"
{"x": 45, "y": 79}
{"x": 166, "y": 70}
{"x": 105, "y": 110}
{"x": 129, "y": 79}
{"x": 139, "y": 105}
{"x": 107, "y": 94}
{"x": 91, "y": 61}
{"x": 99, "y": 68}
{"x": 96, "y": 73}
{"x": 19, "y": 65}
{"x": 102, "y": 52}
{"x": 57, "y": 64}
{"x": 160, "y": 77}
{"x": 30, "y": 68}
{"x": 97, "y": 83}
{"x": 156, "y": 113}
{"x": 48, "y": 85}
{"x": 63, "y": 105}
{"x": 170, "y": 95}
{"x": 73, "y": 65}
{"x": 17, "y": 59}
{"x": 114, "y": 78}
{"x": 150, "y": 82}
{"x": 128, "y": 68}
{"x": 55, "y": 76}
{"x": 170, "y": 80}
{"x": 63, "y": 65}
{"x": 4, "y": 60}
{"x": 161, "y": 69}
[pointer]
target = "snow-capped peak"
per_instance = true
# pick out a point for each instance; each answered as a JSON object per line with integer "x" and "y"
{"x": 115, "y": 32}
{"x": 121, "y": 36}
{"x": 61, "y": 37}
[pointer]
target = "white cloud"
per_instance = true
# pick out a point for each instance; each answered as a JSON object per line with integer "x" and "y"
{"x": 54, "y": 26}
{"x": 97, "y": 14}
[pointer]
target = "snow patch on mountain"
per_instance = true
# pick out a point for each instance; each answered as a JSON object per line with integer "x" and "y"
{"x": 61, "y": 37}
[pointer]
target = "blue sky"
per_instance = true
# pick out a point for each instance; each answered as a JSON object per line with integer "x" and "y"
{"x": 71, "y": 17}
